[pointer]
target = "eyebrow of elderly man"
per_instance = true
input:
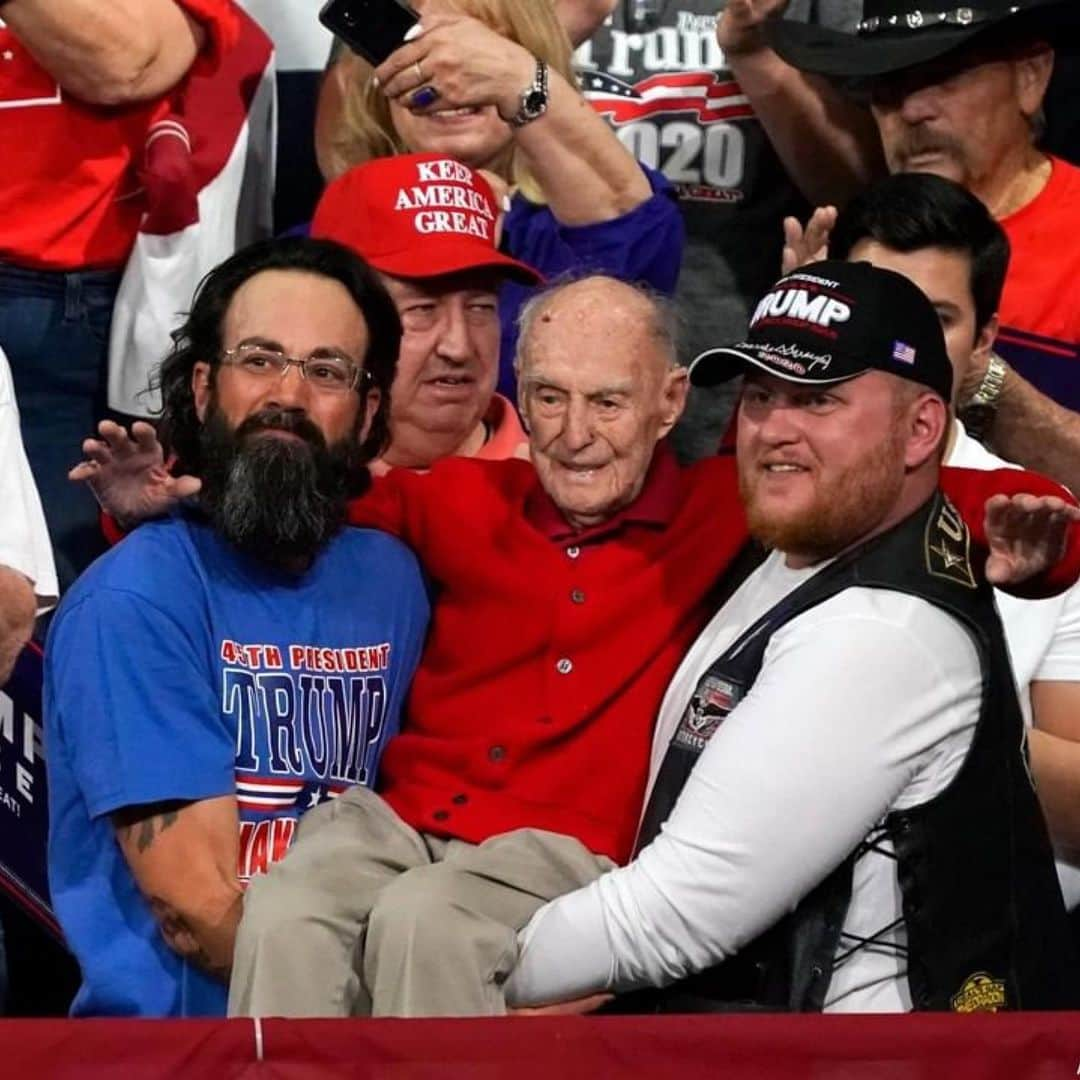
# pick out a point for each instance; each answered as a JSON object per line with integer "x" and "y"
{"x": 842, "y": 815}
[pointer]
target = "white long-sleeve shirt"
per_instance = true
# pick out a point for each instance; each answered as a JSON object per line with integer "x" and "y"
{"x": 24, "y": 539}
{"x": 864, "y": 705}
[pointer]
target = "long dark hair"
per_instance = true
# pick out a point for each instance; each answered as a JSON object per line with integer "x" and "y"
{"x": 200, "y": 337}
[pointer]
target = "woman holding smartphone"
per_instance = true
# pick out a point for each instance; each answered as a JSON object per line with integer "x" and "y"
{"x": 490, "y": 83}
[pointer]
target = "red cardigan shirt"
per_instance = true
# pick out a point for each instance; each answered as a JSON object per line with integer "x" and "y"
{"x": 548, "y": 652}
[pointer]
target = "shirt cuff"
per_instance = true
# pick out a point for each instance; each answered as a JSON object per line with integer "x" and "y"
{"x": 565, "y": 952}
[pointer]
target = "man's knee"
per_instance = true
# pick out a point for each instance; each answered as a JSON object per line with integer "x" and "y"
{"x": 279, "y": 907}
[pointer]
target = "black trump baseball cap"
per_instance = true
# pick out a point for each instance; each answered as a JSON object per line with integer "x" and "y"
{"x": 833, "y": 321}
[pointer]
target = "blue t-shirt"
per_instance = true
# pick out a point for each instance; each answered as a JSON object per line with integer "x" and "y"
{"x": 177, "y": 668}
{"x": 644, "y": 246}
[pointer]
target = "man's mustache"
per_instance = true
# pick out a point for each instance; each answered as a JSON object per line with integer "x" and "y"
{"x": 919, "y": 141}
{"x": 291, "y": 421}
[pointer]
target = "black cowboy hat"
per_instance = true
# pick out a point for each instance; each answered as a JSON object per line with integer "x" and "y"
{"x": 898, "y": 34}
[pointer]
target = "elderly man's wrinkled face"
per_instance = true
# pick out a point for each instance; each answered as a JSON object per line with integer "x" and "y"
{"x": 966, "y": 117}
{"x": 597, "y": 390}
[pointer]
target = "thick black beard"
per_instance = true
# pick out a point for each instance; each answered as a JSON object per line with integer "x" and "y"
{"x": 279, "y": 500}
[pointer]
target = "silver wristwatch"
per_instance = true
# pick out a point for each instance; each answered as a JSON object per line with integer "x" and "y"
{"x": 534, "y": 99}
{"x": 978, "y": 413}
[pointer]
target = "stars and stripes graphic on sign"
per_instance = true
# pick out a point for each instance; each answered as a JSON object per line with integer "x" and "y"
{"x": 902, "y": 352}
{"x": 712, "y": 97}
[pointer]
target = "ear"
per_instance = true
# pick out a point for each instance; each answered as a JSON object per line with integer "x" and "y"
{"x": 370, "y": 402}
{"x": 200, "y": 388}
{"x": 1033, "y": 73}
{"x": 675, "y": 388}
{"x": 928, "y": 421}
{"x": 984, "y": 343}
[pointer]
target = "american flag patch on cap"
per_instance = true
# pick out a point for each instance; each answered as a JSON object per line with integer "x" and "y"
{"x": 904, "y": 353}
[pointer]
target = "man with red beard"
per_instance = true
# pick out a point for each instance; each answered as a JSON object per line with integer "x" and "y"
{"x": 841, "y": 814}
{"x": 225, "y": 669}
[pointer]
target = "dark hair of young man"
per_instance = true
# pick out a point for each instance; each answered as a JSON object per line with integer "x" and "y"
{"x": 911, "y": 211}
{"x": 200, "y": 337}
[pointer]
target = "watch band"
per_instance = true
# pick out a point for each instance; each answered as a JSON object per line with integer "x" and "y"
{"x": 534, "y": 99}
{"x": 978, "y": 413}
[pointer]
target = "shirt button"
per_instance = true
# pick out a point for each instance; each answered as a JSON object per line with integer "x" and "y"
{"x": 496, "y": 753}
{"x": 460, "y": 800}
{"x": 564, "y": 666}
{"x": 441, "y": 815}
{"x": 578, "y": 596}
{"x": 573, "y": 552}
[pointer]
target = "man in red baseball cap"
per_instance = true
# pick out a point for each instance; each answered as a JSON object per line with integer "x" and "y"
{"x": 430, "y": 226}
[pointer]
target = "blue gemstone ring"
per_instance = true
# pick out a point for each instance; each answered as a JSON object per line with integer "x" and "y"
{"x": 425, "y": 96}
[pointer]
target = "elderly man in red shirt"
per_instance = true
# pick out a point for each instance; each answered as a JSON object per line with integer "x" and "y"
{"x": 81, "y": 83}
{"x": 567, "y": 592}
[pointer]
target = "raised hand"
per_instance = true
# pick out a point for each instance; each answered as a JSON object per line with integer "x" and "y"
{"x": 1027, "y": 535}
{"x": 127, "y": 474}
{"x": 464, "y": 62}
{"x": 810, "y": 244}
{"x": 738, "y": 27}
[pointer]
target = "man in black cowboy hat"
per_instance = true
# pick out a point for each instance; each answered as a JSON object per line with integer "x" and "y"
{"x": 957, "y": 91}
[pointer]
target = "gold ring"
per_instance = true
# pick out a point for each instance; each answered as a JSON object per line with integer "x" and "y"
{"x": 419, "y": 73}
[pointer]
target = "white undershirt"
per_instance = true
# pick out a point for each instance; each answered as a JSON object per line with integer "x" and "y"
{"x": 865, "y": 704}
{"x": 24, "y": 540}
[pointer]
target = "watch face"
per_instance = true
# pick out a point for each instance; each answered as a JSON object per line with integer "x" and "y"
{"x": 534, "y": 102}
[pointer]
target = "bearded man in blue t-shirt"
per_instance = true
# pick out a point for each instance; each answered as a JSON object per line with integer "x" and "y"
{"x": 223, "y": 670}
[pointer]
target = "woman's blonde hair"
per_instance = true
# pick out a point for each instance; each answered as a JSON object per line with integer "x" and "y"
{"x": 366, "y": 130}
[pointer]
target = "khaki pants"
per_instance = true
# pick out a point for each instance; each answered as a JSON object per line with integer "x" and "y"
{"x": 366, "y": 916}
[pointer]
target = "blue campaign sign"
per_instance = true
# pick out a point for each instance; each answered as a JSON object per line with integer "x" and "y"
{"x": 24, "y": 818}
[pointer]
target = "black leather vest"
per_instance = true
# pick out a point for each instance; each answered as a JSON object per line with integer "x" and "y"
{"x": 985, "y": 922}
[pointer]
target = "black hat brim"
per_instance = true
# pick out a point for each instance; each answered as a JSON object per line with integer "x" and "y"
{"x": 841, "y": 55}
{"x": 725, "y": 362}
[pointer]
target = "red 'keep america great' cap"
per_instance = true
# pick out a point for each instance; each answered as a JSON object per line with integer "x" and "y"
{"x": 417, "y": 216}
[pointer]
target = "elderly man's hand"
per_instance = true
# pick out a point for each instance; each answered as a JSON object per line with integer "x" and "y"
{"x": 738, "y": 28}
{"x": 810, "y": 244}
{"x": 127, "y": 474}
{"x": 1027, "y": 535}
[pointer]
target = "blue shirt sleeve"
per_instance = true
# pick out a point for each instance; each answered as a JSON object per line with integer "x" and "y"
{"x": 644, "y": 245}
{"x": 130, "y": 699}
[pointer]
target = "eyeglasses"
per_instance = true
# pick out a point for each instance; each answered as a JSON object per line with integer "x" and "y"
{"x": 330, "y": 374}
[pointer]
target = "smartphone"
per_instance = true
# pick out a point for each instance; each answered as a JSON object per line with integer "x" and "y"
{"x": 373, "y": 28}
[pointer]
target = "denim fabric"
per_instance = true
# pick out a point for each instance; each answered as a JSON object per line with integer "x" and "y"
{"x": 54, "y": 328}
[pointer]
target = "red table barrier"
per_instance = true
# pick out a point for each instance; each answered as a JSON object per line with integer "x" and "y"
{"x": 1010, "y": 1046}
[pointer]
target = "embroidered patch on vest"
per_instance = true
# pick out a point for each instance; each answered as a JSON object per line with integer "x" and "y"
{"x": 980, "y": 993}
{"x": 948, "y": 547}
{"x": 714, "y": 697}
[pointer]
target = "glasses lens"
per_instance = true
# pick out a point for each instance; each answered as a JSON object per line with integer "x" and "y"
{"x": 330, "y": 373}
{"x": 259, "y": 361}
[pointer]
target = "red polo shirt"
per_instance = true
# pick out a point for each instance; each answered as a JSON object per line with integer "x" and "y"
{"x": 549, "y": 651}
{"x": 70, "y": 194}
